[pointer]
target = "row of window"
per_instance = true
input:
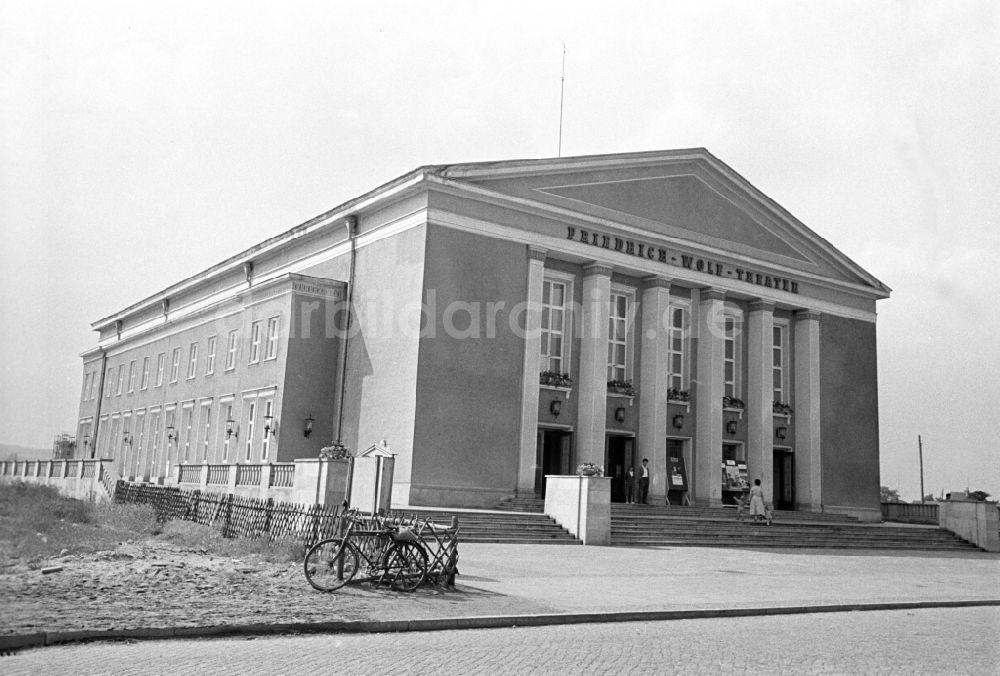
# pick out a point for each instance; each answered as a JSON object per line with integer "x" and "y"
{"x": 556, "y": 323}
{"x": 263, "y": 347}
{"x": 149, "y": 441}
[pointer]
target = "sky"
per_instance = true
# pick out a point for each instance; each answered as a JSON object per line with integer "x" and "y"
{"x": 143, "y": 142}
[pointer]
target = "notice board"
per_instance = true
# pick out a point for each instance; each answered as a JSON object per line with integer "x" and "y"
{"x": 676, "y": 476}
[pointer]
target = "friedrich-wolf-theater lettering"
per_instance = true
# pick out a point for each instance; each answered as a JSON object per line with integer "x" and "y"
{"x": 650, "y": 252}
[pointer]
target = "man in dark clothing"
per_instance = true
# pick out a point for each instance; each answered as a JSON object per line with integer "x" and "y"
{"x": 643, "y": 481}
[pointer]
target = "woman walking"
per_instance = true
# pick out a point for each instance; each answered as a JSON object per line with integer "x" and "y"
{"x": 757, "y": 510}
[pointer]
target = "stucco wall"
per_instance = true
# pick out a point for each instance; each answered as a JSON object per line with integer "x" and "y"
{"x": 849, "y": 411}
{"x": 469, "y": 384}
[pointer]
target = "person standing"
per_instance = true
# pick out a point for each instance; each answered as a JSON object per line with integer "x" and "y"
{"x": 643, "y": 481}
{"x": 757, "y": 511}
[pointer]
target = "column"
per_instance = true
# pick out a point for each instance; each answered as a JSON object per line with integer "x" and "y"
{"x": 593, "y": 383}
{"x": 806, "y": 412}
{"x": 760, "y": 396}
{"x": 529, "y": 373}
{"x": 654, "y": 369}
{"x": 708, "y": 398}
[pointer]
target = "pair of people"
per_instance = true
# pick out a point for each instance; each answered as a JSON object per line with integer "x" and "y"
{"x": 637, "y": 485}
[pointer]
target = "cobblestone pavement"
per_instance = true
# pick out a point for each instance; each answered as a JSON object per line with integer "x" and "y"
{"x": 925, "y": 641}
{"x": 160, "y": 585}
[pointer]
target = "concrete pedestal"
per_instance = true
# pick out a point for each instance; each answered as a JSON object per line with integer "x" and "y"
{"x": 581, "y": 505}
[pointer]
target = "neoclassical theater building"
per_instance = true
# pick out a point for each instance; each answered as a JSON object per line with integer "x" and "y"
{"x": 499, "y": 322}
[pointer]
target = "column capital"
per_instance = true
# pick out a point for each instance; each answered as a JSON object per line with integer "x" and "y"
{"x": 761, "y": 305}
{"x": 594, "y": 268}
{"x": 807, "y": 315}
{"x": 537, "y": 253}
{"x": 712, "y": 293}
{"x": 656, "y": 282}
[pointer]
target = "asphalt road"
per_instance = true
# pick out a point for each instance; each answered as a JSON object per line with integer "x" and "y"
{"x": 931, "y": 641}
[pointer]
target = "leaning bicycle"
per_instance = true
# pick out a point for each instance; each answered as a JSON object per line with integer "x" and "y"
{"x": 382, "y": 555}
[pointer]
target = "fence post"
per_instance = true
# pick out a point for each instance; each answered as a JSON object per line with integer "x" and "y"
{"x": 229, "y": 516}
{"x": 268, "y": 511}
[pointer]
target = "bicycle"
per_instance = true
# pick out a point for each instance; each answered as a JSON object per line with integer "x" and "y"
{"x": 389, "y": 553}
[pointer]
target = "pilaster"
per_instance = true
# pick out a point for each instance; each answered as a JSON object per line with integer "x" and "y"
{"x": 529, "y": 373}
{"x": 708, "y": 398}
{"x": 654, "y": 371}
{"x": 760, "y": 395}
{"x": 593, "y": 384}
{"x": 806, "y": 409}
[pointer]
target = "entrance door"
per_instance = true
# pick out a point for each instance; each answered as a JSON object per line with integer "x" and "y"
{"x": 784, "y": 479}
{"x": 620, "y": 456}
{"x": 552, "y": 456}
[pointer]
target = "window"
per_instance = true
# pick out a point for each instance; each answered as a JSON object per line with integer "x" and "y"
{"x": 121, "y": 379}
{"x": 271, "y": 352}
{"x": 234, "y": 337}
{"x": 554, "y": 345}
{"x": 192, "y": 361}
{"x": 125, "y": 439}
{"x": 186, "y": 425}
{"x": 109, "y": 385}
{"x": 268, "y": 428}
{"x": 140, "y": 425}
{"x": 618, "y": 337}
{"x": 677, "y": 346}
{"x": 154, "y": 446}
{"x": 93, "y": 384}
{"x": 251, "y": 416}
{"x": 210, "y": 357}
{"x": 175, "y": 365}
{"x": 160, "y": 361}
{"x": 733, "y": 348}
{"x": 255, "y": 342}
{"x": 131, "y": 376}
{"x": 206, "y": 423}
{"x": 86, "y": 386}
{"x": 144, "y": 383}
{"x": 779, "y": 355}
{"x": 113, "y": 437}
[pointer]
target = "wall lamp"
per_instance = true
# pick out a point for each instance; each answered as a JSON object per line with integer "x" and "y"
{"x": 731, "y": 426}
{"x": 781, "y": 432}
{"x": 171, "y": 433}
{"x": 620, "y": 414}
{"x": 127, "y": 438}
{"x": 86, "y": 440}
{"x": 678, "y": 421}
{"x": 307, "y": 425}
{"x": 555, "y": 407}
{"x": 231, "y": 429}
{"x": 270, "y": 427}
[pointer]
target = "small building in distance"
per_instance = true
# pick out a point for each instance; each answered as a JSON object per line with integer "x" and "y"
{"x": 498, "y": 322}
{"x": 64, "y": 447}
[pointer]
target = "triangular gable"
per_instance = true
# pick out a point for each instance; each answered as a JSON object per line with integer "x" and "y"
{"x": 684, "y": 195}
{"x": 376, "y": 450}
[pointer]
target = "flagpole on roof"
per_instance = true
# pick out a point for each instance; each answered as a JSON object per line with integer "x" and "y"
{"x": 562, "y": 88}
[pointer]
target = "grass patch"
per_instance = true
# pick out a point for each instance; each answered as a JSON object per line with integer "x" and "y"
{"x": 36, "y": 523}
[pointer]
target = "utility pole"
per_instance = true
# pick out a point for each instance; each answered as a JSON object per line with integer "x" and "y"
{"x": 920, "y": 445}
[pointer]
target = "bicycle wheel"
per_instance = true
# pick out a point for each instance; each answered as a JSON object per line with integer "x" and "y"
{"x": 405, "y": 566}
{"x": 330, "y": 564}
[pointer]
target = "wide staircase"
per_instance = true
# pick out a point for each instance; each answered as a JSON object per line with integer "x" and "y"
{"x": 661, "y": 525}
{"x": 497, "y": 526}
{"x": 657, "y": 526}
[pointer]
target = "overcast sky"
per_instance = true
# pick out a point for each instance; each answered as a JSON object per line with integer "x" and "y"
{"x": 141, "y": 142}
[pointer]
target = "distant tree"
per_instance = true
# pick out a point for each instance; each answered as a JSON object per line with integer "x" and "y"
{"x": 978, "y": 495}
{"x": 887, "y": 494}
{"x": 930, "y": 498}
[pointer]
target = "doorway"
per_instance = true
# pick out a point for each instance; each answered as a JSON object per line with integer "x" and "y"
{"x": 620, "y": 456}
{"x": 784, "y": 478}
{"x": 553, "y": 452}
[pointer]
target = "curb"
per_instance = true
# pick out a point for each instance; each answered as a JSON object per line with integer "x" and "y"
{"x": 17, "y": 642}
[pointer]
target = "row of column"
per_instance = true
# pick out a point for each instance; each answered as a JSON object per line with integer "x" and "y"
{"x": 652, "y": 384}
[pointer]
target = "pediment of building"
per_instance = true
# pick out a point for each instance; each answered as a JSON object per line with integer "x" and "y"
{"x": 683, "y": 196}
